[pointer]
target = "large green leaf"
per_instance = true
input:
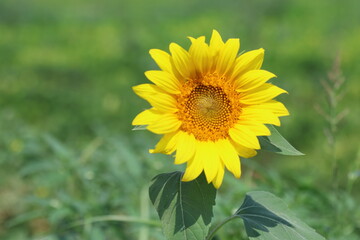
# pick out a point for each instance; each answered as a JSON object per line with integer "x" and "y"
{"x": 185, "y": 208}
{"x": 267, "y": 217}
{"x": 277, "y": 143}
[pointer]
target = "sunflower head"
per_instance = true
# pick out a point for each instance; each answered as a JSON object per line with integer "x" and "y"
{"x": 210, "y": 105}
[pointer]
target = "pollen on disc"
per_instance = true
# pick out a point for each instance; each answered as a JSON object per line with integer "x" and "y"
{"x": 208, "y": 111}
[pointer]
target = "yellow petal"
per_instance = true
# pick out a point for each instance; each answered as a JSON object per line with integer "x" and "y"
{"x": 211, "y": 159}
{"x": 193, "y": 40}
{"x": 216, "y": 43}
{"x": 261, "y": 94}
{"x": 243, "y": 151}
{"x": 162, "y": 59}
{"x": 185, "y": 148}
{"x": 165, "y": 124}
{"x": 164, "y": 80}
{"x": 257, "y": 128}
{"x": 219, "y": 177}
{"x": 248, "y": 61}
{"x": 156, "y": 97}
{"x": 252, "y": 79}
{"x": 200, "y": 54}
{"x": 195, "y": 166}
{"x": 252, "y": 113}
{"x": 244, "y": 137}
{"x": 147, "y": 117}
{"x": 167, "y": 144}
{"x": 227, "y": 56}
{"x": 274, "y": 106}
{"x": 229, "y": 156}
{"x": 182, "y": 61}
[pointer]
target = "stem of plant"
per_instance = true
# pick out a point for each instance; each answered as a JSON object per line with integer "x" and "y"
{"x": 333, "y": 131}
{"x": 212, "y": 233}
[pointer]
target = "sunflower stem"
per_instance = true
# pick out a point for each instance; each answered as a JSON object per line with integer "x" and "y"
{"x": 217, "y": 227}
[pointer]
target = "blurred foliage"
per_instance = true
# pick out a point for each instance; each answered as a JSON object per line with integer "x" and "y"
{"x": 66, "y": 105}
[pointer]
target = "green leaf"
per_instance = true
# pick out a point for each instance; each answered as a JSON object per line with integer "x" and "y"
{"x": 267, "y": 217}
{"x": 184, "y": 208}
{"x": 277, "y": 143}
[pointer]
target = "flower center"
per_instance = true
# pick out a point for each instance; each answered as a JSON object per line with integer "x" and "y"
{"x": 208, "y": 108}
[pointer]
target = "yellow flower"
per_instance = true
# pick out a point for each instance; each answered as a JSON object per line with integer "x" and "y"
{"x": 210, "y": 104}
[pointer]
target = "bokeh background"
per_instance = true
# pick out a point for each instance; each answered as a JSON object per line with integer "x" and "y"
{"x": 67, "y": 150}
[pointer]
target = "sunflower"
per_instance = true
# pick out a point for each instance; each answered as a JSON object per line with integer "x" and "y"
{"x": 210, "y": 105}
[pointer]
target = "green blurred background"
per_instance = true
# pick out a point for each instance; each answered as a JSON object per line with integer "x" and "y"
{"x": 67, "y": 151}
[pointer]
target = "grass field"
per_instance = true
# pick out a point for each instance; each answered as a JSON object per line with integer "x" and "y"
{"x": 68, "y": 154}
